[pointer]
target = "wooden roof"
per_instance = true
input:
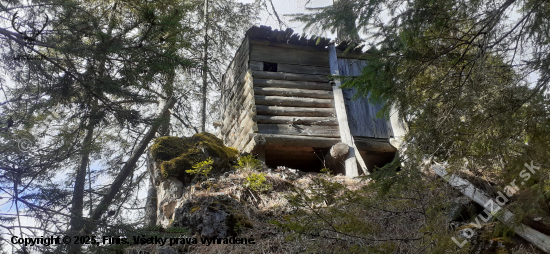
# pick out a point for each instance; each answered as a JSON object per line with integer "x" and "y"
{"x": 265, "y": 33}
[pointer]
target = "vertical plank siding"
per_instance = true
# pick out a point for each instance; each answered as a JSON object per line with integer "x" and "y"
{"x": 361, "y": 113}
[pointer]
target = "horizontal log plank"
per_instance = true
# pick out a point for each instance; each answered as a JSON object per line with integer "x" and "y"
{"x": 236, "y": 98}
{"x": 288, "y": 76}
{"x": 292, "y": 92}
{"x": 254, "y": 142}
{"x": 235, "y": 83}
{"x": 293, "y": 101}
{"x": 235, "y": 122}
{"x": 297, "y": 120}
{"x": 237, "y": 112}
{"x": 288, "y": 45}
{"x": 300, "y": 141}
{"x": 256, "y": 66}
{"x": 303, "y": 69}
{"x": 263, "y": 53}
{"x": 231, "y": 76}
{"x": 248, "y": 126}
{"x": 292, "y": 84}
{"x": 293, "y": 111}
{"x": 238, "y": 128}
{"x": 295, "y": 69}
{"x": 304, "y": 130}
{"x": 374, "y": 146}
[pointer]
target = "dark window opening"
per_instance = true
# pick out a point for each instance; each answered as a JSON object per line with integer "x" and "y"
{"x": 270, "y": 67}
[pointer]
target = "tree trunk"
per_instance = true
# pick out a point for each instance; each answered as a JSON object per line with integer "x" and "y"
{"x": 77, "y": 203}
{"x": 204, "y": 68}
{"x": 125, "y": 171}
{"x": 151, "y": 203}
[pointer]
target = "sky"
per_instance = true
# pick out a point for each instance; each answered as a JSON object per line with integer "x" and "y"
{"x": 286, "y": 7}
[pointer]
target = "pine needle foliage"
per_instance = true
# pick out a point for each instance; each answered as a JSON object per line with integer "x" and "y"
{"x": 248, "y": 163}
{"x": 257, "y": 182}
{"x": 201, "y": 169}
{"x": 470, "y": 81}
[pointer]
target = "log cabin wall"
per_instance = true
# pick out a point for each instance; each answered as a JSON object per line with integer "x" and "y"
{"x": 237, "y": 98}
{"x": 278, "y": 102}
{"x": 293, "y": 99}
{"x": 296, "y": 98}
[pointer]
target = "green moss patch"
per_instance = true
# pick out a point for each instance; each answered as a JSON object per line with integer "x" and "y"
{"x": 176, "y": 155}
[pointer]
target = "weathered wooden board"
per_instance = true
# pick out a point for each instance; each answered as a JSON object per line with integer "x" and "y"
{"x": 361, "y": 113}
{"x": 297, "y": 120}
{"x": 293, "y": 111}
{"x": 237, "y": 103}
{"x": 303, "y": 69}
{"x": 299, "y": 141}
{"x": 234, "y": 76}
{"x": 304, "y": 130}
{"x": 292, "y": 92}
{"x": 345, "y": 134}
{"x": 262, "y": 53}
{"x": 535, "y": 237}
{"x": 294, "y": 69}
{"x": 255, "y": 140}
{"x": 292, "y": 84}
{"x": 295, "y": 43}
{"x": 248, "y": 126}
{"x": 288, "y": 76}
{"x": 237, "y": 96}
{"x": 244, "y": 109}
{"x": 293, "y": 101}
{"x": 256, "y": 66}
{"x": 238, "y": 109}
{"x": 374, "y": 146}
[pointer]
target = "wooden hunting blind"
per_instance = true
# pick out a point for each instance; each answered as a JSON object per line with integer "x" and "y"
{"x": 278, "y": 102}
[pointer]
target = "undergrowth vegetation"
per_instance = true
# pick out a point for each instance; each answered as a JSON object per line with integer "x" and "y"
{"x": 257, "y": 182}
{"x": 201, "y": 170}
{"x": 248, "y": 163}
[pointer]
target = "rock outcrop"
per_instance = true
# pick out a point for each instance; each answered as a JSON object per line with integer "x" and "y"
{"x": 175, "y": 207}
{"x": 175, "y": 155}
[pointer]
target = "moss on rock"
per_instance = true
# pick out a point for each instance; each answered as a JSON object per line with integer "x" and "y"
{"x": 176, "y": 155}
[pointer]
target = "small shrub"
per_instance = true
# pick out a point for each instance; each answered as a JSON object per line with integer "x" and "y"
{"x": 326, "y": 171}
{"x": 201, "y": 169}
{"x": 182, "y": 230}
{"x": 257, "y": 182}
{"x": 249, "y": 163}
{"x": 238, "y": 222}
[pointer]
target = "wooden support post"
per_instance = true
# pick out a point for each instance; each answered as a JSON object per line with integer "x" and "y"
{"x": 336, "y": 156}
{"x": 345, "y": 133}
{"x": 260, "y": 153}
{"x": 535, "y": 237}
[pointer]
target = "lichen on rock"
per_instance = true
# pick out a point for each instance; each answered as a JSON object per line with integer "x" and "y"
{"x": 175, "y": 154}
{"x": 211, "y": 217}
